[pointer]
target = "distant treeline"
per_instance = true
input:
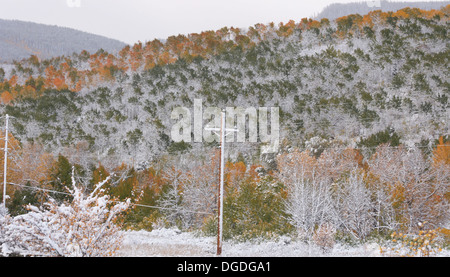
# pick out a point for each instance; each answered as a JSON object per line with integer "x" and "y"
{"x": 337, "y": 10}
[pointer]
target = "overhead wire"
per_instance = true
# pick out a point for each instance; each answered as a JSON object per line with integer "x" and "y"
{"x": 132, "y": 204}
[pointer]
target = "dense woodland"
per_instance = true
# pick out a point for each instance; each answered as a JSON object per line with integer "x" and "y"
{"x": 364, "y": 118}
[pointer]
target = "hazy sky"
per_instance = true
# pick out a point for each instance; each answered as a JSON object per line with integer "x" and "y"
{"x": 134, "y": 20}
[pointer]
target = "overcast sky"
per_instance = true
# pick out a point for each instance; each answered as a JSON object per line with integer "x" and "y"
{"x": 142, "y": 20}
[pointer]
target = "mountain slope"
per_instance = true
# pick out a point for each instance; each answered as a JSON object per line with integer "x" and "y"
{"x": 356, "y": 81}
{"x": 337, "y": 10}
{"x": 19, "y": 40}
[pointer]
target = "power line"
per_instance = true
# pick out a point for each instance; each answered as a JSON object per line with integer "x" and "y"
{"x": 40, "y": 189}
{"x": 165, "y": 208}
{"x": 133, "y": 204}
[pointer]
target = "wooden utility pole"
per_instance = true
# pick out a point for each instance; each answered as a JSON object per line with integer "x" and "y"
{"x": 6, "y": 162}
{"x": 222, "y": 135}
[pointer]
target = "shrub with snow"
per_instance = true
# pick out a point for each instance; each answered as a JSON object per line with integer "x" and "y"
{"x": 84, "y": 227}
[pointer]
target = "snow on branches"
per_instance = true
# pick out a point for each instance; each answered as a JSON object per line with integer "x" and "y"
{"x": 84, "y": 227}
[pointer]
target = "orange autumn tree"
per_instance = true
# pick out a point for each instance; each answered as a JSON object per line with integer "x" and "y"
{"x": 13, "y": 80}
{"x": 136, "y": 56}
{"x": 441, "y": 164}
{"x": 441, "y": 153}
{"x": 234, "y": 174}
{"x": 6, "y": 97}
{"x": 59, "y": 83}
{"x": 286, "y": 30}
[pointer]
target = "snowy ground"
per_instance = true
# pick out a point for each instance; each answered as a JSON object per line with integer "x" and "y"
{"x": 172, "y": 243}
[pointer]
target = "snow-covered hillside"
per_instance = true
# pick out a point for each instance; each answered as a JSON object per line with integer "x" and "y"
{"x": 342, "y": 80}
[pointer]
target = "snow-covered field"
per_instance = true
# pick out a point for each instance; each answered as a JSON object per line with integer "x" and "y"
{"x": 173, "y": 243}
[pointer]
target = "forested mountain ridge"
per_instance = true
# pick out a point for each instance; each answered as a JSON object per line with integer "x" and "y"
{"x": 337, "y": 10}
{"x": 19, "y": 40}
{"x": 348, "y": 82}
